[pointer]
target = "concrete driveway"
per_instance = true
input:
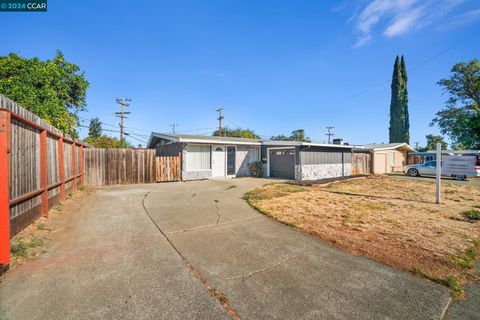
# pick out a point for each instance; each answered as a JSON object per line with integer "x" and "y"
{"x": 203, "y": 253}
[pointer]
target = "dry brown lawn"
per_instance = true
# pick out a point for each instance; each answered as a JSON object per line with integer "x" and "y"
{"x": 394, "y": 221}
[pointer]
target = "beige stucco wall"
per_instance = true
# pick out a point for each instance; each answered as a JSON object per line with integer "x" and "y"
{"x": 379, "y": 162}
{"x": 387, "y": 161}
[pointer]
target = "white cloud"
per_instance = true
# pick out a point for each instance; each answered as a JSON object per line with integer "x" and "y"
{"x": 402, "y": 23}
{"x": 461, "y": 20}
{"x": 397, "y": 17}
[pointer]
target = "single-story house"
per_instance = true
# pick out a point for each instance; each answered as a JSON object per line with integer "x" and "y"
{"x": 388, "y": 157}
{"x": 431, "y": 155}
{"x": 207, "y": 157}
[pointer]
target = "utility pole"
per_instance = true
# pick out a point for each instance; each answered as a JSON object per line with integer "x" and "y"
{"x": 220, "y": 117}
{"x": 173, "y": 125}
{"x": 329, "y": 133}
{"x": 438, "y": 173}
{"x": 123, "y": 102}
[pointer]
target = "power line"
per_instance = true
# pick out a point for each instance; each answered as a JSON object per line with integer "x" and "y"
{"x": 102, "y": 129}
{"x": 123, "y": 102}
{"x": 173, "y": 125}
{"x": 201, "y": 129}
{"x": 131, "y": 136}
{"x": 456, "y": 44}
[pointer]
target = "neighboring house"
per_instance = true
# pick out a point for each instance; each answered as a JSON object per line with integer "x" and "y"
{"x": 430, "y": 155}
{"x": 387, "y": 158}
{"x": 208, "y": 157}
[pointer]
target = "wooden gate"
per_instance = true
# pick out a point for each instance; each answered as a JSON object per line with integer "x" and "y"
{"x": 168, "y": 168}
{"x": 361, "y": 163}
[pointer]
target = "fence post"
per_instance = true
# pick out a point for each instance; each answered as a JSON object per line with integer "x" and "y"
{"x": 61, "y": 168}
{"x": 4, "y": 181}
{"x": 74, "y": 167}
{"x": 43, "y": 172}
{"x": 82, "y": 167}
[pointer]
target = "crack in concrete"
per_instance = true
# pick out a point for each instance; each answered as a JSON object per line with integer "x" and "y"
{"x": 211, "y": 225}
{"x": 218, "y": 212}
{"x": 250, "y": 274}
{"x": 214, "y": 292}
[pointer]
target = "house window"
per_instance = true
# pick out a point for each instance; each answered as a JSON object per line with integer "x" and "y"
{"x": 230, "y": 161}
{"x": 198, "y": 157}
{"x": 429, "y": 158}
{"x": 253, "y": 154}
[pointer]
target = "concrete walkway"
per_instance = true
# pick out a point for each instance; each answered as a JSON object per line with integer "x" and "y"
{"x": 218, "y": 255}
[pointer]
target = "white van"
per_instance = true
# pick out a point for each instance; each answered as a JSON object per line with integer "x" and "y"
{"x": 460, "y": 166}
{"x": 457, "y": 167}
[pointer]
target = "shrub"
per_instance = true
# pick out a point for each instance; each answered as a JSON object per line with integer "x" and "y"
{"x": 256, "y": 169}
{"x": 472, "y": 214}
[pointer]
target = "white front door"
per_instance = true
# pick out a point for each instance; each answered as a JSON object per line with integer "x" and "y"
{"x": 218, "y": 161}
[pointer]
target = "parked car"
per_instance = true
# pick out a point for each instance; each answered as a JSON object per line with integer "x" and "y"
{"x": 428, "y": 168}
{"x": 457, "y": 167}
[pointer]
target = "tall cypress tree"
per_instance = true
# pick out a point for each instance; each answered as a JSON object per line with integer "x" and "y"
{"x": 405, "y": 116}
{"x": 395, "y": 104}
{"x": 399, "y": 119}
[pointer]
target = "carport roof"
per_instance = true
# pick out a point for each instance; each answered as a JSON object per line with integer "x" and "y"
{"x": 155, "y": 136}
{"x": 387, "y": 146}
{"x": 199, "y": 139}
{"x": 282, "y": 143}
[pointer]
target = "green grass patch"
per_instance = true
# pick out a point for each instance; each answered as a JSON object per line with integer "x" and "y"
{"x": 42, "y": 226}
{"x": 20, "y": 248}
{"x": 450, "y": 282}
{"x": 466, "y": 261}
{"x": 472, "y": 214}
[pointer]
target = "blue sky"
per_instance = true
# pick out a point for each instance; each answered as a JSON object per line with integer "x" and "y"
{"x": 274, "y": 66}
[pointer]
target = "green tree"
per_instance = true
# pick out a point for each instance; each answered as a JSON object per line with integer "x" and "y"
{"x": 95, "y": 128}
{"x": 237, "y": 133}
{"x": 399, "y": 117}
{"x": 280, "y": 137}
{"x": 297, "y": 135}
{"x": 432, "y": 141}
{"x": 460, "y": 119}
{"x": 404, "y": 99}
{"x": 107, "y": 142}
{"x": 55, "y": 89}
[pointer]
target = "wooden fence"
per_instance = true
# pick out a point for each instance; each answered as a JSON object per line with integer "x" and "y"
{"x": 362, "y": 163}
{"x": 119, "y": 166}
{"x": 168, "y": 168}
{"x": 129, "y": 166}
{"x": 38, "y": 167}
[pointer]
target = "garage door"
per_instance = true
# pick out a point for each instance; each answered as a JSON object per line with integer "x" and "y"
{"x": 282, "y": 163}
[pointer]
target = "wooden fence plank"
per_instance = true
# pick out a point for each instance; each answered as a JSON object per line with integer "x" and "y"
{"x": 43, "y": 172}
